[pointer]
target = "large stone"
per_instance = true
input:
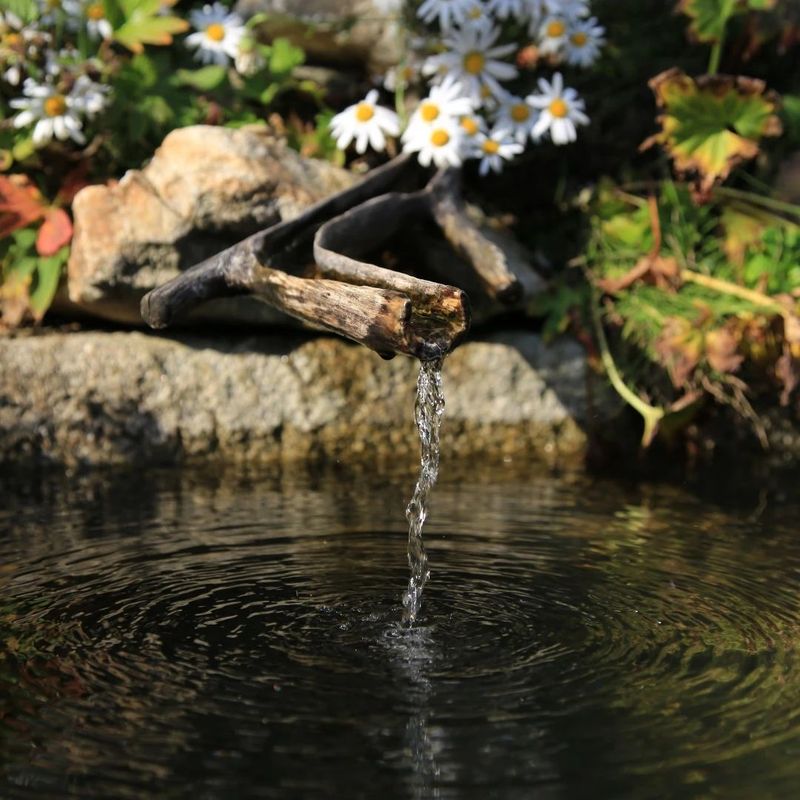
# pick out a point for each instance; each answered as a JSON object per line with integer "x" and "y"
{"x": 105, "y": 398}
{"x": 334, "y": 31}
{"x": 205, "y": 188}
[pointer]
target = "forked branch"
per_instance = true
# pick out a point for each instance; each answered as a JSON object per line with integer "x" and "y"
{"x": 314, "y": 267}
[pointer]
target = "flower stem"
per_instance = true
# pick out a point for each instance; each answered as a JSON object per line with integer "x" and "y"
{"x": 652, "y": 415}
{"x": 716, "y": 55}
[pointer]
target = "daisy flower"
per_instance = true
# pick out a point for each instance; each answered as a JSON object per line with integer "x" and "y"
{"x": 444, "y": 102}
{"x": 55, "y": 114}
{"x": 217, "y": 35}
{"x": 493, "y": 149}
{"x": 518, "y": 117}
{"x": 552, "y": 35}
{"x": 12, "y": 47}
{"x": 50, "y": 10}
{"x": 447, "y": 12}
{"x": 248, "y": 59}
{"x": 471, "y": 125}
{"x": 570, "y": 9}
{"x": 561, "y": 109}
{"x": 472, "y": 58}
{"x": 439, "y": 144}
{"x": 583, "y": 43}
{"x": 88, "y": 96}
{"x": 503, "y": 9}
{"x": 477, "y": 16}
{"x": 367, "y": 123}
{"x": 97, "y": 26}
{"x": 400, "y": 75}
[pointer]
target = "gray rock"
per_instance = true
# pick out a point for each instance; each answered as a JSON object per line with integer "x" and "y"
{"x": 205, "y": 189}
{"x": 106, "y": 398}
{"x": 333, "y": 31}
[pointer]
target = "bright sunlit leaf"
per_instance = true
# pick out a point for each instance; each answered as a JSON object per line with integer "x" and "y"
{"x": 711, "y": 124}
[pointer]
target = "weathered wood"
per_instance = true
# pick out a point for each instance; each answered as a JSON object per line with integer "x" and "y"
{"x": 227, "y": 273}
{"x": 439, "y": 313}
{"x": 314, "y": 267}
{"x": 377, "y": 318}
{"x": 485, "y": 257}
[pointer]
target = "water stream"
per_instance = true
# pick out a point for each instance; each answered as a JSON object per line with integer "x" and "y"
{"x": 428, "y": 412}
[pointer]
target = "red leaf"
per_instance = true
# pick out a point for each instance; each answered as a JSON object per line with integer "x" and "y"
{"x": 56, "y": 231}
{"x": 20, "y": 203}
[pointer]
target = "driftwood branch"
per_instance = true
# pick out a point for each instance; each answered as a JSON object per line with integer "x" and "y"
{"x": 316, "y": 267}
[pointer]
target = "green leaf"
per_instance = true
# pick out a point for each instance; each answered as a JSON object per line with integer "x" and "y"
{"x": 23, "y": 149}
{"x": 711, "y": 124}
{"x": 46, "y": 280}
{"x": 709, "y": 17}
{"x": 285, "y": 56}
{"x": 26, "y": 10}
{"x": 791, "y": 117}
{"x": 144, "y": 26}
{"x": 24, "y": 240}
{"x": 205, "y": 79}
{"x": 268, "y": 95}
{"x": 114, "y": 13}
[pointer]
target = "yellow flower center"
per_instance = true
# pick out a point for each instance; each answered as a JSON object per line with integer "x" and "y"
{"x": 520, "y": 112}
{"x": 558, "y": 108}
{"x": 439, "y": 138}
{"x": 473, "y": 62}
{"x": 216, "y": 32}
{"x": 579, "y": 39}
{"x": 470, "y": 125}
{"x": 429, "y": 111}
{"x": 490, "y": 147}
{"x": 53, "y": 5}
{"x": 364, "y": 112}
{"x": 475, "y": 12}
{"x": 95, "y": 11}
{"x": 12, "y": 40}
{"x": 55, "y": 105}
{"x": 556, "y": 28}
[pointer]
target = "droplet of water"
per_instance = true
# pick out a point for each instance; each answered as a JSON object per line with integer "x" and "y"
{"x": 428, "y": 412}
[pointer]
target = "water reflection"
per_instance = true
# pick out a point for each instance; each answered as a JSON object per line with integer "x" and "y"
{"x": 239, "y": 636}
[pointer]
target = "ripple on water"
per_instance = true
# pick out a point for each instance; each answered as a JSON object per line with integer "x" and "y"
{"x": 247, "y": 640}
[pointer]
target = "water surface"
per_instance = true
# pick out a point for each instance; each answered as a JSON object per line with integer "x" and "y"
{"x": 179, "y": 634}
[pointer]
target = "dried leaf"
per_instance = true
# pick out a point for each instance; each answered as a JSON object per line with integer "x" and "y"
{"x": 722, "y": 350}
{"x": 20, "y": 203}
{"x": 711, "y": 124}
{"x": 55, "y": 232}
{"x": 787, "y": 370}
{"x": 75, "y": 181}
{"x": 14, "y": 299}
{"x": 680, "y": 347}
{"x": 661, "y": 272}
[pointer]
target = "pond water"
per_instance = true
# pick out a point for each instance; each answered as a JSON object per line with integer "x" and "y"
{"x": 174, "y": 634}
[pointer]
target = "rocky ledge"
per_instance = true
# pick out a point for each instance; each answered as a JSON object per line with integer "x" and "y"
{"x": 100, "y": 398}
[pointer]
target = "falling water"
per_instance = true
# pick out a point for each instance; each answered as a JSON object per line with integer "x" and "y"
{"x": 428, "y": 411}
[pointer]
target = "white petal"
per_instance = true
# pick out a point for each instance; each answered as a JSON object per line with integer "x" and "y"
{"x": 43, "y": 132}
{"x": 376, "y": 139}
{"x": 24, "y": 119}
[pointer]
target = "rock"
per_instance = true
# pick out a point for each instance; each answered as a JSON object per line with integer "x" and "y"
{"x": 128, "y": 397}
{"x": 334, "y": 31}
{"x": 205, "y": 188}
